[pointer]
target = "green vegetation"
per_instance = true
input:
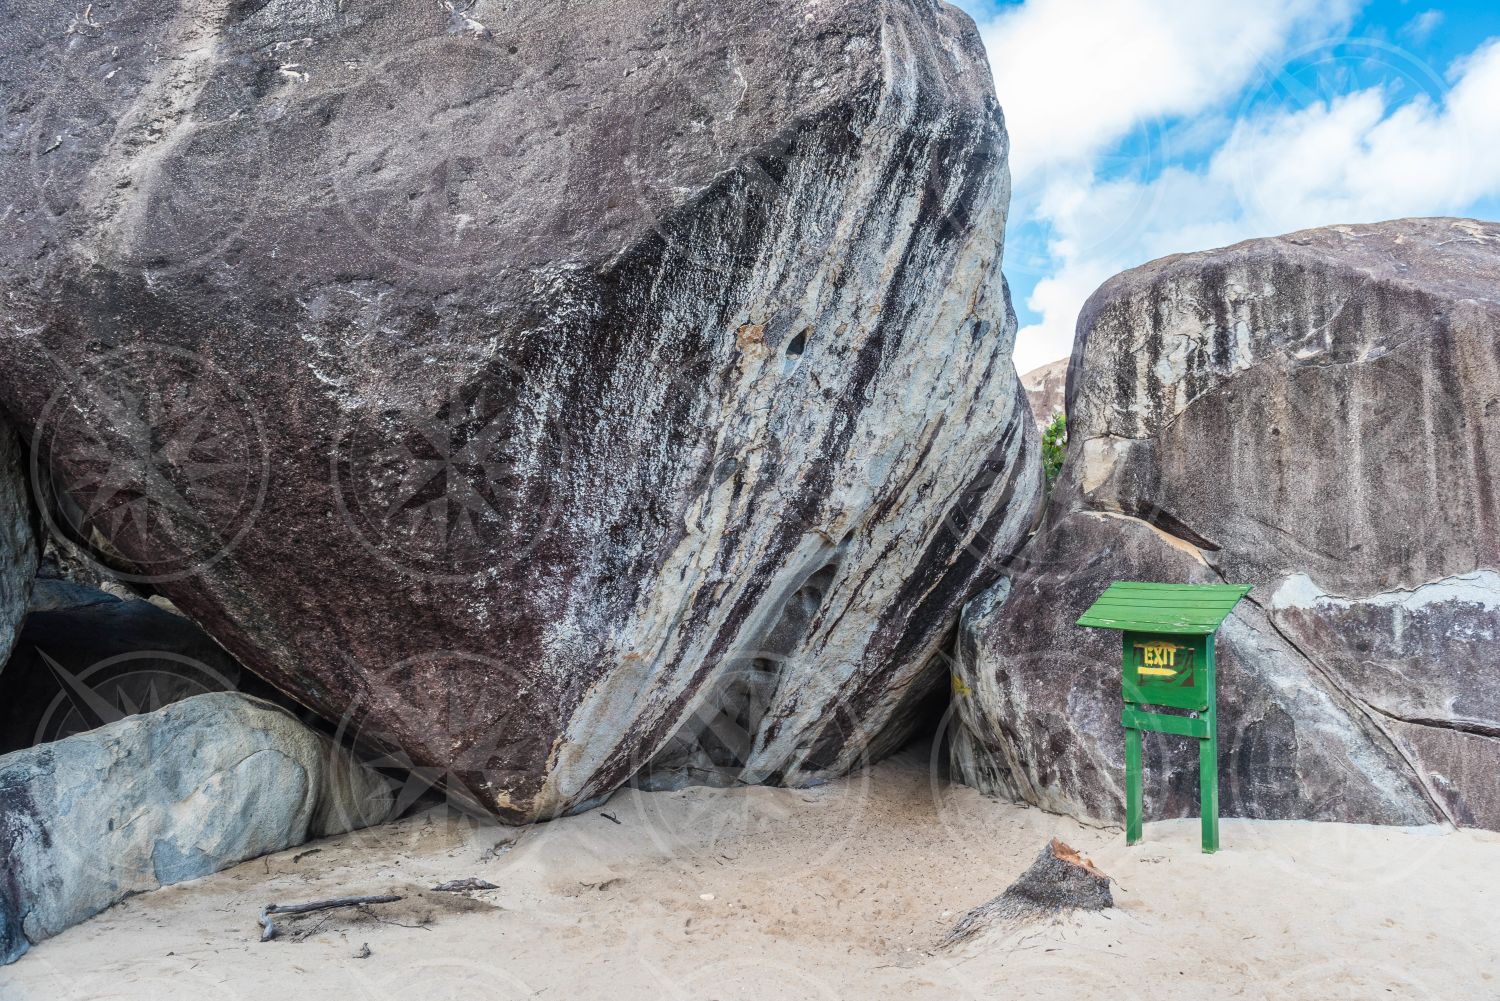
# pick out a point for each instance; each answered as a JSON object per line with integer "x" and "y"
{"x": 1055, "y": 447}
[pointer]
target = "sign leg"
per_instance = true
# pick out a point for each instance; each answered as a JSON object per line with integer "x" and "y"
{"x": 1132, "y": 785}
{"x": 1208, "y": 783}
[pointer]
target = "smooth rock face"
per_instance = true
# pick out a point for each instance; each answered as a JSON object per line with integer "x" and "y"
{"x": 529, "y": 390}
{"x": 163, "y": 797}
{"x": 1317, "y": 415}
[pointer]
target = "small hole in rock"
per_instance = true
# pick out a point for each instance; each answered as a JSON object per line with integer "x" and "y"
{"x": 794, "y": 349}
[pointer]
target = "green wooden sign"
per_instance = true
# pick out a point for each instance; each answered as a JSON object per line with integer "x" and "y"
{"x": 1168, "y": 664}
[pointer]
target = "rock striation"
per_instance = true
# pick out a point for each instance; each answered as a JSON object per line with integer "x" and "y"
{"x": 160, "y": 798}
{"x": 530, "y": 392}
{"x": 1317, "y": 415}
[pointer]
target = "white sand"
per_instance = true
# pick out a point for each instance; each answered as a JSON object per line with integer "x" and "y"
{"x": 835, "y": 892}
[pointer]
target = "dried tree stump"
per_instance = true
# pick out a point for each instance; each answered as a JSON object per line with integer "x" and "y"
{"x": 1059, "y": 881}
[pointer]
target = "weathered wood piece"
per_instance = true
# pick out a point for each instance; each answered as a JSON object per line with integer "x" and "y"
{"x": 1059, "y": 882}
{"x": 462, "y": 885}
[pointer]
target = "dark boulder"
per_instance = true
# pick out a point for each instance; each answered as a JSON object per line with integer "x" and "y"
{"x": 19, "y": 551}
{"x": 522, "y": 387}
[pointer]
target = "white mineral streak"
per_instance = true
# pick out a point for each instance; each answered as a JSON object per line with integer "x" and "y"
{"x": 158, "y": 121}
{"x": 1480, "y": 588}
{"x": 935, "y": 397}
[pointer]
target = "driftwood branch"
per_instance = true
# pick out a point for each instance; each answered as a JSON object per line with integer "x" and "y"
{"x": 268, "y": 931}
{"x": 462, "y": 885}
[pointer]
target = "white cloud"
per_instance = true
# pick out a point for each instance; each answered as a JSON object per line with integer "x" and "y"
{"x": 1074, "y": 76}
{"x": 1361, "y": 157}
{"x": 1421, "y": 27}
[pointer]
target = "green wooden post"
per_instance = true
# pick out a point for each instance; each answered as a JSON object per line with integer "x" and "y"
{"x": 1208, "y": 762}
{"x": 1168, "y": 665}
{"x": 1208, "y": 784}
{"x": 1132, "y": 785}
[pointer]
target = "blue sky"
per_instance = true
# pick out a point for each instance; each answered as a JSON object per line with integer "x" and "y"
{"x": 1141, "y": 128}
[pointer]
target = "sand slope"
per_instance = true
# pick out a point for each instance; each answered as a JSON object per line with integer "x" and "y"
{"x": 835, "y": 892}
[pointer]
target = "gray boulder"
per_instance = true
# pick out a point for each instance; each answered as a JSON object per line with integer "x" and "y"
{"x": 1316, "y": 415}
{"x": 55, "y": 594}
{"x": 526, "y": 387}
{"x": 161, "y": 798}
{"x": 1046, "y": 390}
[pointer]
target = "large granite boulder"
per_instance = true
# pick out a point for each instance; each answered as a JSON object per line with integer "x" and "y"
{"x": 1317, "y": 415}
{"x": 160, "y": 798}
{"x": 528, "y": 388}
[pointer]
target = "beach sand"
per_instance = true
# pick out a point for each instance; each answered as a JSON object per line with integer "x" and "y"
{"x": 841, "y": 891}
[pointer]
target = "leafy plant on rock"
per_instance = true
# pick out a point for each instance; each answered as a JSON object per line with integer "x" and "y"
{"x": 1055, "y": 447}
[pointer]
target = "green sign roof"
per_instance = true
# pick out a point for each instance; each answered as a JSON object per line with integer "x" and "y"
{"x": 1181, "y": 609}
